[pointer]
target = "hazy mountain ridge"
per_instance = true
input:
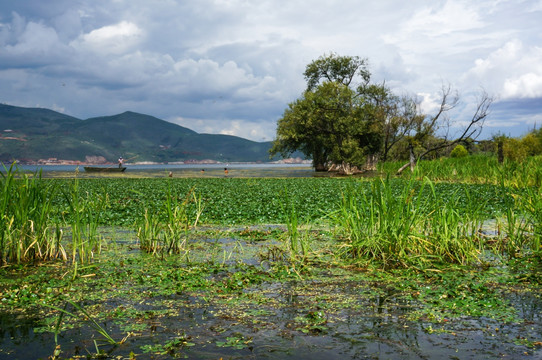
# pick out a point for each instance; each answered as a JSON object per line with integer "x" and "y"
{"x": 31, "y": 134}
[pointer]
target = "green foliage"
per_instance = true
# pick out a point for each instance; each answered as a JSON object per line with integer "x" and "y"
{"x": 412, "y": 226}
{"x": 171, "y": 348}
{"x": 345, "y": 124}
{"x": 529, "y": 204}
{"x": 459, "y": 151}
{"x": 230, "y": 201}
{"x": 84, "y": 214}
{"x": 169, "y": 236}
{"x": 331, "y": 121}
{"x": 480, "y": 169}
{"x": 297, "y": 245}
{"x": 338, "y": 69}
{"x": 224, "y": 200}
{"x": 163, "y": 210}
{"x": 177, "y": 308}
{"x": 515, "y": 150}
{"x": 26, "y": 233}
{"x": 519, "y": 149}
{"x": 238, "y": 341}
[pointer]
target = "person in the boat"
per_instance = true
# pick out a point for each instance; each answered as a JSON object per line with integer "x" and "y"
{"x": 121, "y": 161}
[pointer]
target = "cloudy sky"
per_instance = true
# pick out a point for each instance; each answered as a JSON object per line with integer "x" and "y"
{"x": 232, "y": 66}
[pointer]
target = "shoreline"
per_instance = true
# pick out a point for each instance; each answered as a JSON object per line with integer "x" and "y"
{"x": 290, "y": 161}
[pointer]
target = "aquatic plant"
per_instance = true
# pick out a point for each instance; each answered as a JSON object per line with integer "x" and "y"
{"x": 26, "y": 233}
{"x": 148, "y": 232}
{"x": 85, "y": 316}
{"x": 169, "y": 236}
{"x": 297, "y": 244}
{"x": 171, "y": 347}
{"x": 529, "y": 203}
{"x": 84, "y": 216}
{"x": 237, "y": 341}
{"x": 481, "y": 169}
{"x": 408, "y": 226}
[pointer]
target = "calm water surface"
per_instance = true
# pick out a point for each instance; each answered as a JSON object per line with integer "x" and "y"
{"x": 190, "y": 170}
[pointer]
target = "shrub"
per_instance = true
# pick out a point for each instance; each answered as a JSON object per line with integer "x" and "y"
{"x": 515, "y": 150}
{"x": 459, "y": 151}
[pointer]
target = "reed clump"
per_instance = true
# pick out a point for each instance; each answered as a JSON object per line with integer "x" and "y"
{"x": 26, "y": 233}
{"x": 83, "y": 216}
{"x": 405, "y": 226}
{"x": 166, "y": 231}
{"x": 297, "y": 243}
{"x": 479, "y": 169}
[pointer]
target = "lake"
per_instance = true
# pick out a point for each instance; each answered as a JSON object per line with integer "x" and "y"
{"x": 183, "y": 170}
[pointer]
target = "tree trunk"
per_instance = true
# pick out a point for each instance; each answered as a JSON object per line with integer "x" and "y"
{"x": 347, "y": 169}
{"x": 371, "y": 162}
{"x": 500, "y": 151}
{"x": 320, "y": 167}
{"x": 412, "y": 158}
{"x": 411, "y": 163}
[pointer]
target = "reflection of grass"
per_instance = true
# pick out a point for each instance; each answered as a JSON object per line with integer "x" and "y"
{"x": 88, "y": 317}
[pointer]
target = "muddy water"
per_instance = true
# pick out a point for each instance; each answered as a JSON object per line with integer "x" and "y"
{"x": 374, "y": 331}
{"x": 331, "y": 317}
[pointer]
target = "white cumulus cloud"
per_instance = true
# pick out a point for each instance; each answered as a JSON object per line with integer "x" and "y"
{"x": 111, "y": 39}
{"x": 512, "y": 71}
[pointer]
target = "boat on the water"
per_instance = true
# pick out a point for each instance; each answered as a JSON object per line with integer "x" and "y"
{"x": 104, "y": 169}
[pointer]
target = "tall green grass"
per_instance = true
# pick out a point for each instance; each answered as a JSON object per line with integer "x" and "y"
{"x": 479, "y": 169}
{"x": 166, "y": 231}
{"x": 26, "y": 234}
{"x": 408, "y": 225}
{"x": 297, "y": 243}
{"x": 83, "y": 215}
{"x": 529, "y": 203}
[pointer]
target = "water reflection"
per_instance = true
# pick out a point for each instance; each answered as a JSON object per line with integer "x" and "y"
{"x": 331, "y": 317}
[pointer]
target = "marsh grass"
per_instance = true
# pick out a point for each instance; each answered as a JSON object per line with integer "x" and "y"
{"x": 84, "y": 215}
{"x": 26, "y": 234}
{"x": 297, "y": 242}
{"x": 529, "y": 203}
{"x": 480, "y": 169}
{"x": 166, "y": 231}
{"x": 148, "y": 232}
{"x": 412, "y": 225}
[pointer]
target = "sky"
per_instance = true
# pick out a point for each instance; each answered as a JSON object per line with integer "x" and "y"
{"x": 232, "y": 66}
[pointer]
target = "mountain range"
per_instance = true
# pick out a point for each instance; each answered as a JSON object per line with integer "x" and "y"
{"x": 31, "y": 134}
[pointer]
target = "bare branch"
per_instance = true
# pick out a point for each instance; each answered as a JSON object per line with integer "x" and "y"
{"x": 471, "y": 131}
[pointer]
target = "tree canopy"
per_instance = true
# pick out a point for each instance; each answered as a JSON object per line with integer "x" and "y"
{"x": 343, "y": 120}
{"x": 340, "y": 117}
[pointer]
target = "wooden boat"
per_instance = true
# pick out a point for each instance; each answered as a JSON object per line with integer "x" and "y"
{"x": 104, "y": 169}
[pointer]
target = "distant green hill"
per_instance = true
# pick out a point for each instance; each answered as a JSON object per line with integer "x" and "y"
{"x": 29, "y": 134}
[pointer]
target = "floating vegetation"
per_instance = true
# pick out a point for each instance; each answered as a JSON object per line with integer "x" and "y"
{"x": 277, "y": 268}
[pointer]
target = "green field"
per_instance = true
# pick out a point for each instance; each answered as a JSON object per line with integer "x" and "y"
{"x": 412, "y": 266}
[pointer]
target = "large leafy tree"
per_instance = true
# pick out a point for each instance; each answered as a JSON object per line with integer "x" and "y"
{"x": 334, "y": 121}
{"x": 345, "y": 121}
